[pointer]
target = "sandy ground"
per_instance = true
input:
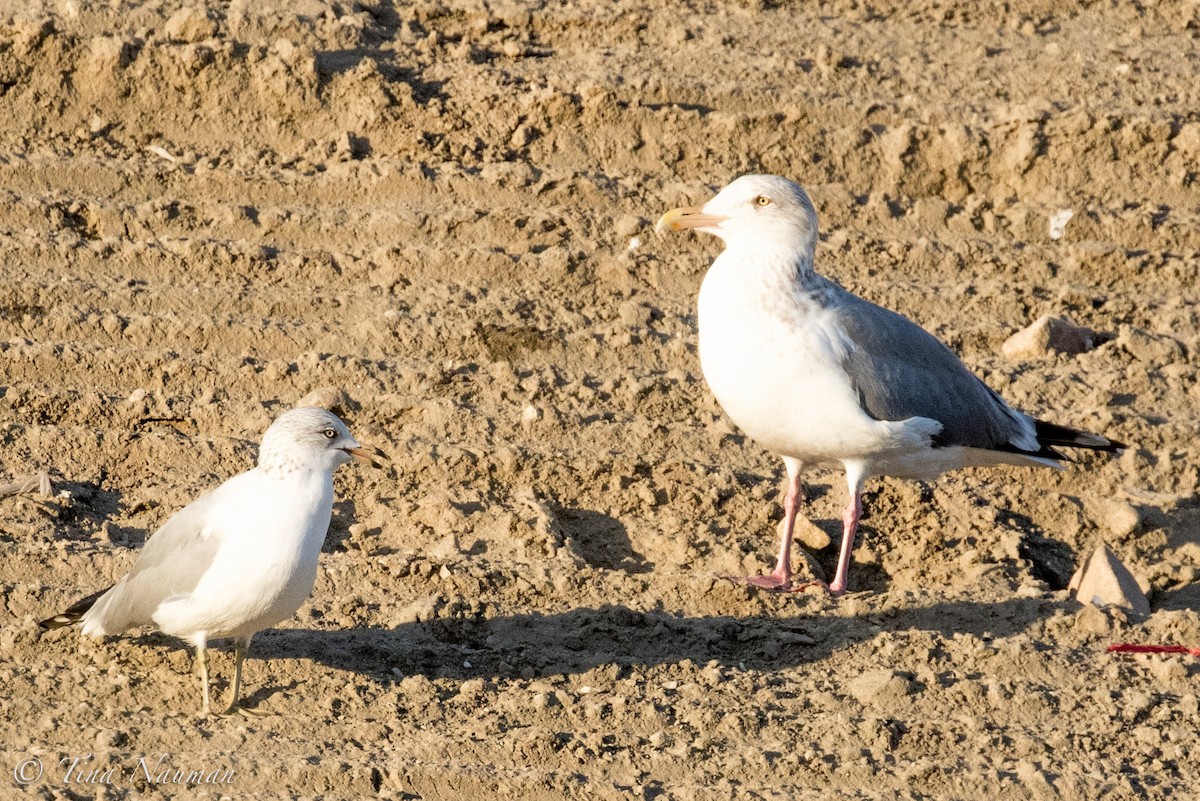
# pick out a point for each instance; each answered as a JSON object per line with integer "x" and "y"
{"x": 443, "y": 211}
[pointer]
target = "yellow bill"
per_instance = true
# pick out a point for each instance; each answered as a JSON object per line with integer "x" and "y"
{"x": 687, "y": 217}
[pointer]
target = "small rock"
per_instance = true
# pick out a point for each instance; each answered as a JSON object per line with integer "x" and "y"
{"x": 530, "y": 415}
{"x": 629, "y": 224}
{"x": 1058, "y": 222}
{"x": 190, "y": 25}
{"x": 286, "y": 49}
{"x": 513, "y": 49}
{"x": 112, "y": 324}
{"x": 347, "y": 147}
{"x": 330, "y": 398}
{"x": 880, "y": 686}
{"x": 1104, "y": 581}
{"x": 1049, "y": 334}
{"x": 1092, "y": 620}
{"x": 343, "y": 146}
{"x": 446, "y": 549}
{"x": 417, "y": 687}
{"x": 807, "y": 533}
{"x": 522, "y": 136}
{"x": 1034, "y": 779}
{"x": 109, "y": 53}
{"x": 1150, "y": 735}
{"x": 1120, "y": 518}
{"x": 108, "y": 739}
{"x": 1147, "y": 347}
{"x": 633, "y": 313}
{"x": 1169, "y": 670}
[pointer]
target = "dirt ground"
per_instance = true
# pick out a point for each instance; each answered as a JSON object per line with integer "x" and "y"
{"x": 443, "y": 209}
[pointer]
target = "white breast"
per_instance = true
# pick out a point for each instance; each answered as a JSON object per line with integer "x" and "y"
{"x": 774, "y": 365}
{"x": 267, "y": 561}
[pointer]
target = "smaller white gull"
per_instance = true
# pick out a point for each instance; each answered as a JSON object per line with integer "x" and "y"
{"x": 239, "y": 559}
{"x": 821, "y": 376}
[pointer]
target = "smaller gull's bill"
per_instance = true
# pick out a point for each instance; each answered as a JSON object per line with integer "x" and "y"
{"x": 821, "y": 376}
{"x": 239, "y": 559}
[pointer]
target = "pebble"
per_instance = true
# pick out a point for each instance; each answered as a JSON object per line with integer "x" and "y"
{"x": 1147, "y": 347}
{"x": 629, "y": 224}
{"x": 329, "y": 398}
{"x": 1120, "y": 518}
{"x": 109, "y": 53}
{"x": 530, "y": 415}
{"x": 108, "y": 739}
{"x": 1057, "y": 222}
{"x": 1049, "y": 334}
{"x": 1169, "y": 669}
{"x": 1092, "y": 620}
{"x": 634, "y": 313}
{"x": 808, "y": 534}
{"x": 447, "y": 548}
{"x": 190, "y": 25}
{"x": 880, "y": 686}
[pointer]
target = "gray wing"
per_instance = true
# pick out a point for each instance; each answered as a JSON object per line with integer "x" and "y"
{"x": 899, "y": 371}
{"x": 171, "y": 563}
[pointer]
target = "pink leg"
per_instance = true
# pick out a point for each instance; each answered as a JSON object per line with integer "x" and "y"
{"x": 849, "y": 528}
{"x": 781, "y": 577}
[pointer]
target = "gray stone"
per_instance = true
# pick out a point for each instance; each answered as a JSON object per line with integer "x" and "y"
{"x": 1103, "y": 580}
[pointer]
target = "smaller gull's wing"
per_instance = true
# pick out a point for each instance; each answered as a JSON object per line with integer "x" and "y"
{"x": 171, "y": 563}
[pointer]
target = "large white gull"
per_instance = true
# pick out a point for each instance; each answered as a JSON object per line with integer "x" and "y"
{"x": 823, "y": 377}
{"x": 239, "y": 559}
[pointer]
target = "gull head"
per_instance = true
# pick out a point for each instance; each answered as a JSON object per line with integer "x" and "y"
{"x": 755, "y": 212}
{"x": 310, "y": 438}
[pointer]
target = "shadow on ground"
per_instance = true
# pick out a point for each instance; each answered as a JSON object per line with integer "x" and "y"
{"x": 583, "y": 639}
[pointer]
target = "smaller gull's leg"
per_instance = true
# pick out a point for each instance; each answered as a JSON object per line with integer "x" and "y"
{"x": 239, "y": 654}
{"x": 202, "y": 666}
{"x": 781, "y": 577}
{"x": 241, "y": 646}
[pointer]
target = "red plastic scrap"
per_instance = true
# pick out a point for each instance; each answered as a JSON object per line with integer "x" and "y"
{"x": 1133, "y": 648}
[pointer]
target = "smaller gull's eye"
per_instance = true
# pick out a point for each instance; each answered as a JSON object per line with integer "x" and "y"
{"x": 762, "y": 200}
{"x": 329, "y": 433}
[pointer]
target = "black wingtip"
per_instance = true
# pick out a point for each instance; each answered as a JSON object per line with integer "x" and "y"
{"x": 1050, "y": 434}
{"x": 72, "y": 614}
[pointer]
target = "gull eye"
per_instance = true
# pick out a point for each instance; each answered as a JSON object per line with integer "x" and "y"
{"x": 329, "y": 433}
{"x": 762, "y": 200}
